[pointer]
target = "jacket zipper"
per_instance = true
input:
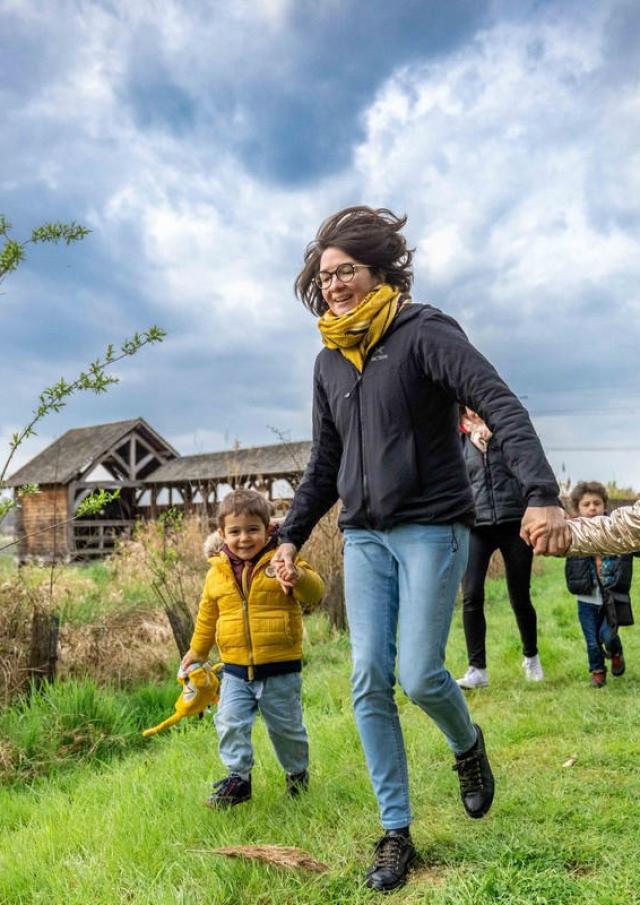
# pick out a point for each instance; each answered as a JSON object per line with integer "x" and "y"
{"x": 356, "y": 386}
{"x": 489, "y": 483}
{"x": 247, "y": 626}
{"x": 365, "y": 482}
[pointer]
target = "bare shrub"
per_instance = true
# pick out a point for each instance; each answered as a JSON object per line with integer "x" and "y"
{"x": 112, "y": 630}
{"x": 15, "y": 638}
{"x": 323, "y": 550}
{"x": 170, "y": 554}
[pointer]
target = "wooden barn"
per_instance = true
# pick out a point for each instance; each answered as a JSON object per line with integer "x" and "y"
{"x": 151, "y": 476}
{"x": 201, "y": 480}
{"x": 106, "y": 456}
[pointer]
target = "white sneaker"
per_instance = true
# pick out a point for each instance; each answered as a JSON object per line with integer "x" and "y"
{"x": 533, "y": 669}
{"x": 474, "y": 678}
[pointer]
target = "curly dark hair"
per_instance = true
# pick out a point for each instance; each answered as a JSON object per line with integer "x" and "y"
{"x": 371, "y": 236}
{"x": 584, "y": 487}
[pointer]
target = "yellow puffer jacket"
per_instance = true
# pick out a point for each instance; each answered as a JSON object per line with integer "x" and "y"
{"x": 260, "y": 625}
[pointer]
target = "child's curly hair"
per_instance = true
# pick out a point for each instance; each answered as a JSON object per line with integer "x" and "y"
{"x": 584, "y": 487}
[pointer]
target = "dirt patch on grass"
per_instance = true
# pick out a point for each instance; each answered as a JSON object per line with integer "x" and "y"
{"x": 429, "y": 874}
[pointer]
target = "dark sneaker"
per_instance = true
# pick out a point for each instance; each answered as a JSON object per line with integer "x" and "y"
{"x": 476, "y": 778}
{"x": 599, "y": 678}
{"x": 618, "y": 665}
{"x": 393, "y": 855}
{"x": 233, "y": 789}
{"x": 297, "y": 782}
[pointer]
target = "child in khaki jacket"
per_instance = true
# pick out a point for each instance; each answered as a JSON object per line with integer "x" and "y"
{"x": 257, "y": 628}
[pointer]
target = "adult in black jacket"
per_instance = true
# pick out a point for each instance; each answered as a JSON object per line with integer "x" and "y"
{"x": 385, "y": 442}
{"x": 499, "y": 505}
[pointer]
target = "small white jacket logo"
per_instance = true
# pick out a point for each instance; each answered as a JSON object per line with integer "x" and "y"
{"x": 379, "y": 354}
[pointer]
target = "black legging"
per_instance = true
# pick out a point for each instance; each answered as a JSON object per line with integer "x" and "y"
{"x": 517, "y": 561}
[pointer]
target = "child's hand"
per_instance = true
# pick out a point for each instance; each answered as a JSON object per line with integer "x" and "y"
{"x": 293, "y": 577}
{"x": 189, "y": 658}
{"x": 286, "y": 571}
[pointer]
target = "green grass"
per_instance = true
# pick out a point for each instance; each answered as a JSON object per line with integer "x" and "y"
{"x": 7, "y": 563}
{"x": 54, "y": 728}
{"x": 134, "y": 829}
{"x": 90, "y": 591}
{"x": 99, "y": 594}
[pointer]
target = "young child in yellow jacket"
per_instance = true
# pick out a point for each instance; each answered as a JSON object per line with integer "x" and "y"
{"x": 257, "y": 628}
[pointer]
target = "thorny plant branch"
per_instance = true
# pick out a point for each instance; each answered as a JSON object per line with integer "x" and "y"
{"x": 53, "y": 398}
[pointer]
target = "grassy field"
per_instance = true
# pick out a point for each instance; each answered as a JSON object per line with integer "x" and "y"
{"x": 133, "y": 828}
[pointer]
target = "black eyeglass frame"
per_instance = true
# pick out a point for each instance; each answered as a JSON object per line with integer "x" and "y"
{"x": 320, "y": 279}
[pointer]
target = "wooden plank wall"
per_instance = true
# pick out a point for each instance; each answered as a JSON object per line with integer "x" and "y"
{"x": 39, "y": 513}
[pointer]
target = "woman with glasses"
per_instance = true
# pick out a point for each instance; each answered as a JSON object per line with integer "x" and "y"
{"x": 385, "y": 442}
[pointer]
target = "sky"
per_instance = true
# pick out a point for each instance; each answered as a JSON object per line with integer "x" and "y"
{"x": 203, "y": 144}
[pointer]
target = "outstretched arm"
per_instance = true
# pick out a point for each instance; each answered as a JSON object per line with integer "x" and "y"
{"x": 615, "y": 533}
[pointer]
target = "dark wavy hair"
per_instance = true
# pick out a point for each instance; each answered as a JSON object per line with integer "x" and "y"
{"x": 584, "y": 487}
{"x": 370, "y": 235}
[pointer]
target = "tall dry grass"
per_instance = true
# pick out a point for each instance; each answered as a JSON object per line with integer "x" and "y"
{"x": 112, "y": 624}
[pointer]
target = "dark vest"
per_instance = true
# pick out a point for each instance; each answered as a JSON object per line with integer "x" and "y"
{"x": 497, "y": 494}
{"x": 615, "y": 573}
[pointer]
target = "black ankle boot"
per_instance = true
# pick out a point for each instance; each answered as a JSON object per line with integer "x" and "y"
{"x": 393, "y": 855}
{"x": 476, "y": 778}
{"x": 233, "y": 789}
{"x": 297, "y": 783}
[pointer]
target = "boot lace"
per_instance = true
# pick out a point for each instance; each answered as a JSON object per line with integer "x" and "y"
{"x": 389, "y": 852}
{"x": 227, "y": 786}
{"x": 469, "y": 771}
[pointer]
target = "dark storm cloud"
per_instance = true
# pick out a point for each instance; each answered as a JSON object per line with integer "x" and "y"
{"x": 301, "y": 94}
{"x": 204, "y": 145}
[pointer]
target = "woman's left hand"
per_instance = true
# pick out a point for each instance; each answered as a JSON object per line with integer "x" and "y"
{"x": 545, "y": 529}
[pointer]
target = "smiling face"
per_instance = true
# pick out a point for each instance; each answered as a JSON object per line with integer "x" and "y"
{"x": 591, "y": 504}
{"x": 244, "y": 534}
{"x": 344, "y": 297}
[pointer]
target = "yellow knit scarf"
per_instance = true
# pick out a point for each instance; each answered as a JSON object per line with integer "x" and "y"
{"x": 357, "y": 331}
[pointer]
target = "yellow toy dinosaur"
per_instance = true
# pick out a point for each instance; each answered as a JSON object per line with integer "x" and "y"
{"x": 200, "y": 687}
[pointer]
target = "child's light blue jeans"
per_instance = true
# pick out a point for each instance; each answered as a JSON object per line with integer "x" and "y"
{"x": 400, "y": 589}
{"x": 278, "y": 698}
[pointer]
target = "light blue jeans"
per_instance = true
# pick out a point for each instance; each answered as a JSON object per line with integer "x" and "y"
{"x": 278, "y": 698}
{"x": 400, "y": 589}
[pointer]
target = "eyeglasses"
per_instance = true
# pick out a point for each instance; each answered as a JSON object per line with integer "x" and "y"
{"x": 344, "y": 272}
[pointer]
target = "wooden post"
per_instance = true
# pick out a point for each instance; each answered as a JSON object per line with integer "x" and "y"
{"x": 43, "y": 656}
{"x": 333, "y": 603}
{"x": 181, "y": 623}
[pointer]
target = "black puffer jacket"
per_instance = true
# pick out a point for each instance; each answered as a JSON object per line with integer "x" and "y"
{"x": 386, "y": 441}
{"x": 616, "y": 573}
{"x": 496, "y": 491}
